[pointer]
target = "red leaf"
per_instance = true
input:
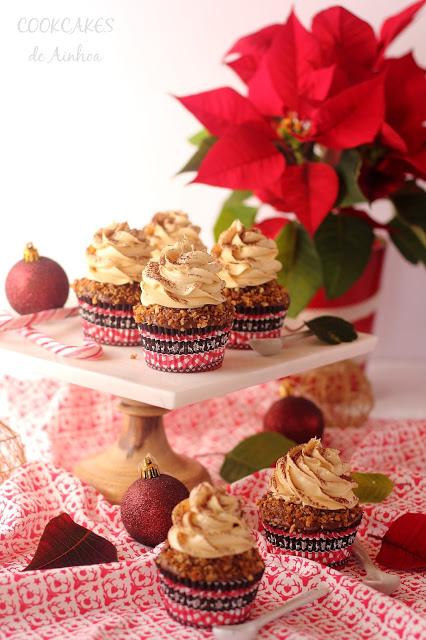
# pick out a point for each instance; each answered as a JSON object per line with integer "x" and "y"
{"x": 406, "y": 106}
{"x": 418, "y": 161}
{"x": 344, "y": 36}
{"x": 251, "y": 49}
{"x": 245, "y": 67}
{"x": 392, "y": 27}
{"x": 262, "y": 92}
{"x": 404, "y": 543}
{"x": 352, "y": 117}
{"x": 271, "y": 226}
{"x": 382, "y": 179}
{"x": 244, "y": 158}
{"x": 390, "y": 138}
{"x": 309, "y": 190}
{"x": 318, "y": 83}
{"x": 290, "y": 61}
{"x": 220, "y": 109}
{"x": 66, "y": 544}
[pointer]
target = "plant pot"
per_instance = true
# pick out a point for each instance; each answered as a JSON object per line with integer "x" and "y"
{"x": 360, "y": 303}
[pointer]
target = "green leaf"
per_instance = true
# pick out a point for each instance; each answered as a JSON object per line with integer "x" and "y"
{"x": 410, "y": 203}
{"x": 344, "y": 244}
{"x": 372, "y": 487}
{"x": 254, "y": 453}
{"x": 196, "y": 159}
{"x": 235, "y": 209}
{"x": 198, "y": 137}
{"x": 301, "y": 267}
{"x": 409, "y": 240}
{"x": 348, "y": 170}
{"x": 332, "y": 330}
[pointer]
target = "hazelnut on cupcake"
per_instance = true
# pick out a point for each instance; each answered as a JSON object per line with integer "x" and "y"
{"x": 209, "y": 568}
{"x": 107, "y": 295}
{"x": 184, "y": 319}
{"x": 168, "y": 227}
{"x": 310, "y": 508}
{"x": 249, "y": 269}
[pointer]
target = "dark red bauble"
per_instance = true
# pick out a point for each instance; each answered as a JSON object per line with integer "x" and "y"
{"x": 296, "y": 418}
{"x": 36, "y": 284}
{"x": 147, "y": 505}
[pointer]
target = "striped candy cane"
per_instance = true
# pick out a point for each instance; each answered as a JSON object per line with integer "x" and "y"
{"x": 89, "y": 351}
{"x": 23, "y": 324}
{"x": 8, "y": 322}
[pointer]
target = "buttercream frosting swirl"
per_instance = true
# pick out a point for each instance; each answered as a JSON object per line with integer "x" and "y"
{"x": 314, "y": 476}
{"x": 211, "y": 526}
{"x": 182, "y": 279}
{"x": 117, "y": 254}
{"x": 247, "y": 257}
{"x": 168, "y": 227}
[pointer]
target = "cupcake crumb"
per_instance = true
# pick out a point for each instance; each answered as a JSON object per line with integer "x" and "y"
{"x": 210, "y": 315}
{"x": 269, "y": 294}
{"x": 295, "y": 517}
{"x": 248, "y": 566}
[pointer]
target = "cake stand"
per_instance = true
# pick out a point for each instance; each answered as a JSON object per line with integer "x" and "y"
{"x": 146, "y": 395}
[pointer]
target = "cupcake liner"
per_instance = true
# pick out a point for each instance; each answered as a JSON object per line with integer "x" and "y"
{"x": 189, "y": 351}
{"x": 255, "y": 323}
{"x": 109, "y": 324}
{"x": 204, "y": 605}
{"x": 327, "y": 547}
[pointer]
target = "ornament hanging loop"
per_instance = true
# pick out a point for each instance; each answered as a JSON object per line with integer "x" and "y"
{"x": 149, "y": 468}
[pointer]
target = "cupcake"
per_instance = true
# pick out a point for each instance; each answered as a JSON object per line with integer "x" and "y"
{"x": 310, "y": 509}
{"x": 183, "y": 318}
{"x": 249, "y": 269}
{"x": 106, "y": 297}
{"x": 210, "y": 568}
{"x": 168, "y": 227}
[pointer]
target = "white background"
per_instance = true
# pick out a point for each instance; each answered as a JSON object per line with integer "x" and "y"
{"x": 82, "y": 144}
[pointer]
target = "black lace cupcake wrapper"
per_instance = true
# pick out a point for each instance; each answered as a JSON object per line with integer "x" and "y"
{"x": 221, "y": 602}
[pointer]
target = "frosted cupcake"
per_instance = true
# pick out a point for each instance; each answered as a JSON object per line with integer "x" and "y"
{"x": 106, "y": 297}
{"x": 210, "y": 568}
{"x": 184, "y": 319}
{"x": 168, "y": 227}
{"x": 249, "y": 269}
{"x": 310, "y": 508}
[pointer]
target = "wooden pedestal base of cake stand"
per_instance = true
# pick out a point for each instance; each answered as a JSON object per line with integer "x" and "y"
{"x": 114, "y": 470}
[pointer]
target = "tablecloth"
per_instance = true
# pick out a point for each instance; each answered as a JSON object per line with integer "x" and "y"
{"x": 60, "y": 422}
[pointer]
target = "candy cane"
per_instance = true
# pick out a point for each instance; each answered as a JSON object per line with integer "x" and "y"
{"x": 89, "y": 351}
{"x": 8, "y": 322}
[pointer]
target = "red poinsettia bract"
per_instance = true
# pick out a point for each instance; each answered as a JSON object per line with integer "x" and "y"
{"x": 311, "y": 93}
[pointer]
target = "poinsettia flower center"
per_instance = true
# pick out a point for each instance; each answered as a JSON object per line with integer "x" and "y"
{"x": 292, "y": 125}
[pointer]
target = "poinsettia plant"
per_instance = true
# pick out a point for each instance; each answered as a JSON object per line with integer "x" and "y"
{"x": 327, "y": 124}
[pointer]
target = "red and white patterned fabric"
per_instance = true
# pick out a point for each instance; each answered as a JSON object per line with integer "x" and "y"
{"x": 59, "y": 422}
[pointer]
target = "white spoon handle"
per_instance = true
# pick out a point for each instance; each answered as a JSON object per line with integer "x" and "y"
{"x": 361, "y": 554}
{"x": 301, "y": 333}
{"x": 290, "y": 605}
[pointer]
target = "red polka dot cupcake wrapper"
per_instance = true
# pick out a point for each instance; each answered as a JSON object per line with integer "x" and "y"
{"x": 191, "y": 351}
{"x": 249, "y": 325}
{"x": 327, "y": 547}
{"x": 109, "y": 324}
{"x": 208, "y": 605}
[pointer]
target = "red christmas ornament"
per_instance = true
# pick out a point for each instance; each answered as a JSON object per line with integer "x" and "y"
{"x": 36, "y": 283}
{"x": 147, "y": 505}
{"x": 296, "y": 418}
